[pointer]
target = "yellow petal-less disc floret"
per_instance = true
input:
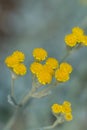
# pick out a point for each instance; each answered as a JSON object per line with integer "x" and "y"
{"x": 44, "y": 77}
{"x": 39, "y": 54}
{"x": 56, "y": 108}
{"x": 11, "y": 61}
{"x": 52, "y": 62}
{"x": 61, "y": 75}
{"x": 19, "y": 55}
{"x": 36, "y": 67}
{"x": 66, "y": 67}
{"x": 77, "y": 31}
{"x": 68, "y": 116}
{"x": 20, "y": 69}
{"x": 70, "y": 40}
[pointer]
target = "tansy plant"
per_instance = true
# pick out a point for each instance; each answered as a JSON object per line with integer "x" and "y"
{"x": 62, "y": 112}
{"x": 47, "y": 72}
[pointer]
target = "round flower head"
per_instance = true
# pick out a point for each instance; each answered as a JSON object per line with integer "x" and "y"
{"x": 61, "y": 75}
{"x": 56, "y": 108}
{"x": 19, "y": 69}
{"x": 71, "y": 40}
{"x": 36, "y": 67}
{"x": 66, "y": 67}
{"x": 66, "y": 108}
{"x": 44, "y": 77}
{"x": 77, "y": 31}
{"x": 39, "y": 54}
{"x": 68, "y": 116}
{"x": 19, "y": 55}
{"x": 52, "y": 63}
{"x": 11, "y": 61}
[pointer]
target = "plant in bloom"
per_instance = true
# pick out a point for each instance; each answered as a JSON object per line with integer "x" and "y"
{"x": 46, "y": 70}
{"x": 77, "y": 37}
{"x": 64, "y": 110}
{"x": 62, "y": 74}
{"x": 39, "y": 54}
{"x": 11, "y": 61}
{"x": 51, "y": 69}
{"x": 19, "y": 69}
{"x": 56, "y": 108}
{"x": 44, "y": 77}
{"x": 77, "y": 31}
{"x": 36, "y": 67}
{"x": 66, "y": 67}
{"x": 70, "y": 40}
{"x": 19, "y": 55}
{"x": 52, "y": 62}
{"x": 14, "y": 62}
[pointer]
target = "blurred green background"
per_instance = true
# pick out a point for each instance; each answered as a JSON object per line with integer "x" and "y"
{"x": 26, "y": 24}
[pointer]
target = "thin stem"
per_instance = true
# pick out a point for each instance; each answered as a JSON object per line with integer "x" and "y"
{"x": 52, "y": 126}
{"x": 45, "y": 91}
{"x": 66, "y": 55}
{"x": 12, "y": 96}
{"x": 12, "y": 87}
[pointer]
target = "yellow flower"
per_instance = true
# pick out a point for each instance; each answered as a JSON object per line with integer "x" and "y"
{"x": 66, "y": 67}
{"x": 48, "y": 69}
{"x": 19, "y": 55}
{"x": 19, "y": 69}
{"x": 11, "y": 61}
{"x": 66, "y": 108}
{"x": 66, "y": 103}
{"x": 36, "y": 67}
{"x": 68, "y": 116}
{"x": 56, "y": 108}
{"x": 71, "y": 40}
{"x": 61, "y": 75}
{"x": 44, "y": 77}
{"x": 84, "y": 40}
{"x": 39, "y": 54}
{"x": 52, "y": 62}
{"x": 77, "y": 31}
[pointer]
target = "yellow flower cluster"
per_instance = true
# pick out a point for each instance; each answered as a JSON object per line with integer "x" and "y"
{"x": 77, "y": 36}
{"x": 64, "y": 109}
{"x": 43, "y": 72}
{"x": 14, "y": 62}
{"x": 63, "y": 72}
